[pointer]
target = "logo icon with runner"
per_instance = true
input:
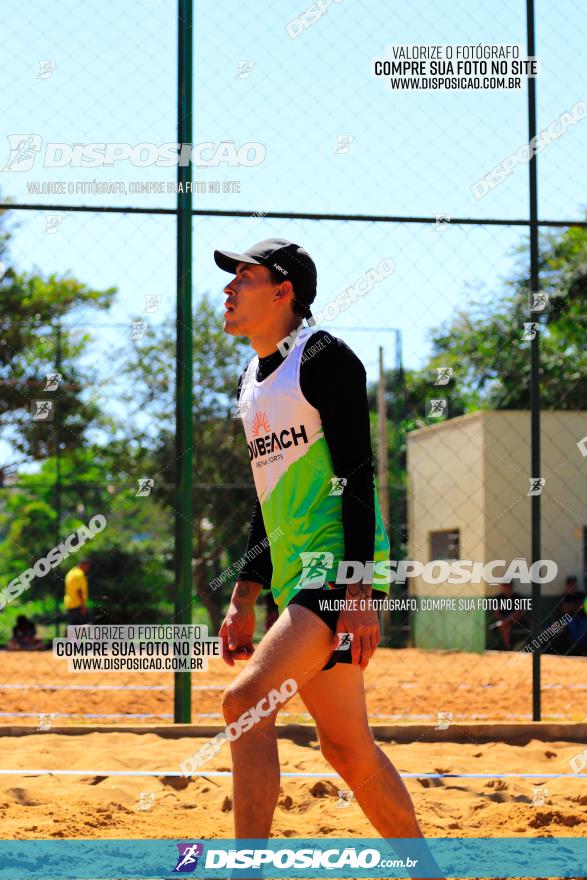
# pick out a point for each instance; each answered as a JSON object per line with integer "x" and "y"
{"x": 344, "y": 641}
{"x": 338, "y": 484}
{"x": 315, "y": 568}
{"x": 344, "y": 799}
{"x": 42, "y": 410}
{"x": 189, "y": 854}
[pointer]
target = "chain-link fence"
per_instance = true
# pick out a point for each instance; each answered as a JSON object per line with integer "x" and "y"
{"x": 415, "y": 198}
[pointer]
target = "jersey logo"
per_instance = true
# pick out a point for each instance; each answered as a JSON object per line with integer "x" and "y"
{"x": 260, "y": 424}
{"x": 265, "y": 441}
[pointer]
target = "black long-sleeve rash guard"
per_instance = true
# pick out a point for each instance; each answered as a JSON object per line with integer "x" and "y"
{"x": 333, "y": 380}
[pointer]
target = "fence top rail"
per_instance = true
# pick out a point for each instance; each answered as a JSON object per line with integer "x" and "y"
{"x": 294, "y": 215}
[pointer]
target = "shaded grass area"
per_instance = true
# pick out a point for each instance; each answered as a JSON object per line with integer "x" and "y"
{"x": 49, "y": 617}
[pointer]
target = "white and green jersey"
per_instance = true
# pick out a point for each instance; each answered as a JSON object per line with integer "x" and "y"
{"x": 299, "y": 493}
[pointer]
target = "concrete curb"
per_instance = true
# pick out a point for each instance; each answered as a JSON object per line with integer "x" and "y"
{"x": 513, "y": 733}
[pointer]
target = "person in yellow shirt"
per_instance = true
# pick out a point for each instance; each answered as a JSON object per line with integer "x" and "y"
{"x": 76, "y": 593}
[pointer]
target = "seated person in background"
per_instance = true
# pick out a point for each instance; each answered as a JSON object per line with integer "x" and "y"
{"x": 505, "y": 615}
{"x": 572, "y": 601}
{"x": 24, "y": 635}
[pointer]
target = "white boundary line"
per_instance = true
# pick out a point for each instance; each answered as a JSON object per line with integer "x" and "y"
{"x": 432, "y": 718}
{"x": 299, "y": 775}
{"x": 106, "y": 687}
{"x": 221, "y": 687}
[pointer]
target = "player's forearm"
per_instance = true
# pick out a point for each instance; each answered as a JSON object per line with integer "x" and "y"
{"x": 245, "y": 592}
{"x": 359, "y": 591}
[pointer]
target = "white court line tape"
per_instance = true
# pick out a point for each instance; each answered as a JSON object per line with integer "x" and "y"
{"x": 434, "y": 718}
{"x": 299, "y": 775}
{"x": 105, "y": 687}
{"x": 458, "y": 718}
{"x": 83, "y": 715}
{"x": 221, "y": 687}
{"x": 578, "y": 687}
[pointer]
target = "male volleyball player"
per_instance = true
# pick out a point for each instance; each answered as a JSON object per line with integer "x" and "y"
{"x": 306, "y": 422}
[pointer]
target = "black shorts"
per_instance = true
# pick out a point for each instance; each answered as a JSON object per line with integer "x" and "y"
{"x": 76, "y": 617}
{"x": 311, "y": 598}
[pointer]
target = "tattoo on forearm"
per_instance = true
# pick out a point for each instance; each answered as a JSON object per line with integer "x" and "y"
{"x": 242, "y": 591}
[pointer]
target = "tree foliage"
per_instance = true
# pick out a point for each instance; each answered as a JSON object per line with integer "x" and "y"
{"x": 30, "y": 347}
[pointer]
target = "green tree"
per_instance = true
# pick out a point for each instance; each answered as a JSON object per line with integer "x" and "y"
{"x": 91, "y": 484}
{"x": 126, "y": 584}
{"x": 482, "y": 344}
{"x": 34, "y": 341}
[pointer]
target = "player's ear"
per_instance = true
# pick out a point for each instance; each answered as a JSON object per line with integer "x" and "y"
{"x": 283, "y": 290}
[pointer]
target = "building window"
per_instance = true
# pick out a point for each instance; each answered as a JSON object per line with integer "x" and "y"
{"x": 445, "y": 545}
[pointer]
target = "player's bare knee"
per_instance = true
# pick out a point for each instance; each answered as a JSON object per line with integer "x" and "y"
{"x": 233, "y": 703}
{"x": 241, "y": 699}
{"x": 349, "y": 756}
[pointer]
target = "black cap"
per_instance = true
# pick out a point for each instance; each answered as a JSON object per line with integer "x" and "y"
{"x": 287, "y": 259}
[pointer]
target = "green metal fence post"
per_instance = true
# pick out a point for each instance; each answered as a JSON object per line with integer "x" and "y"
{"x": 58, "y": 483}
{"x": 534, "y": 368}
{"x": 184, "y": 381}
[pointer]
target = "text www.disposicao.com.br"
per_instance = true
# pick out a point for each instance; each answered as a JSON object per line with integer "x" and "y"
{"x": 142, "y": 664}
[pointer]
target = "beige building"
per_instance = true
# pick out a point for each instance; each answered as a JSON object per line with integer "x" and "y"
{"x": 468, "y": 484}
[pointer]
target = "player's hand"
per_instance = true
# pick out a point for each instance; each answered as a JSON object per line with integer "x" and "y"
{"x": 363, "y": 625}
{"x": 237, "y": 633}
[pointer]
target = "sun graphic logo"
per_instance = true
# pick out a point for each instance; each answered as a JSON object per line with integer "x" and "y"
{"x": 260, "y": 424}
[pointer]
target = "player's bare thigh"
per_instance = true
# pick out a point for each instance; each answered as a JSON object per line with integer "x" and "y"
{"x": 296, "y": 647}
{"x": 335, "y": 698}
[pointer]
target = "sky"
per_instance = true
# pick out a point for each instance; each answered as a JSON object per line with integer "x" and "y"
{"x": 331, "y": 137}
